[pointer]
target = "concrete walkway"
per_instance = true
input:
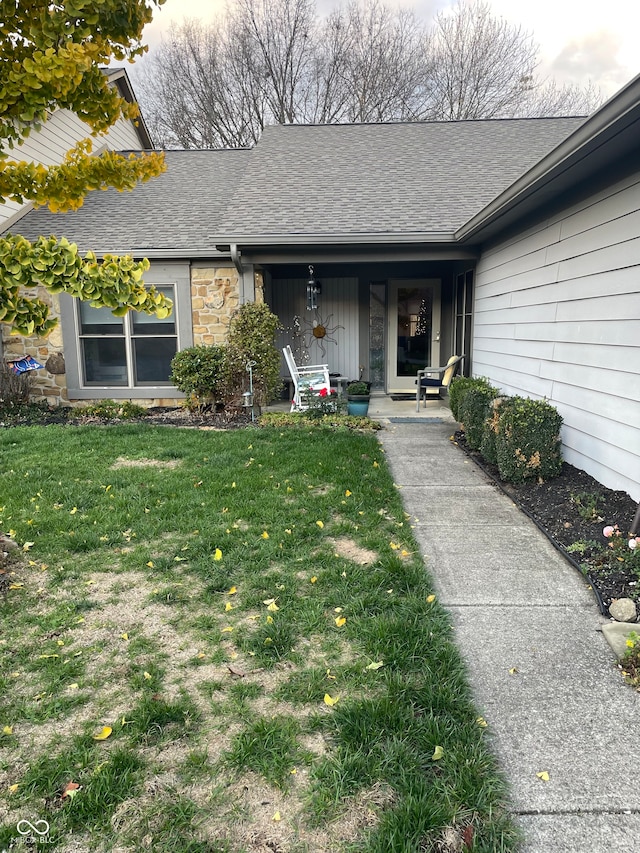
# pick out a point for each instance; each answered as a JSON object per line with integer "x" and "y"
{"x": 542, "y": 673}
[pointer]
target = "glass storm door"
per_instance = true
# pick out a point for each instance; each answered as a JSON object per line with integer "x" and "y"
{"x": 414, "y": 331}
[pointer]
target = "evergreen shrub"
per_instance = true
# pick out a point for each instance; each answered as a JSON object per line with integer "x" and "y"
{"x": 252, "y": 332}
{"x": 473, "y": 410}
{"x": 199, "y": 372}
{"x": 490, "y": 428}
{"x": 457, "y": 389}
{"x": 527, "y": 440}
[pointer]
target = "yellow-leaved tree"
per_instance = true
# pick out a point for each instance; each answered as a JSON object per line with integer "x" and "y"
{"x": 51, "y": 55}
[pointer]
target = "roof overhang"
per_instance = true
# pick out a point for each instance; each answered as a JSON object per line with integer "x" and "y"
{"x": 608, "y": 137}
{"x": 348, "y": 249}
{"x": 119, "y": 78}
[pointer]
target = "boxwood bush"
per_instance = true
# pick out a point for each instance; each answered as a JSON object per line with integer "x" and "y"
{"x": 473, "y": 410}
{"x": 199, "y": 372}
{"x": 490, "y": 428}
{"x": 458, "y": 388}
{"x": 527, "y": 440}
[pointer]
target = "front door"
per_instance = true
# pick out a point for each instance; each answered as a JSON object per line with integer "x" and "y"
{"x": 414, "y": 331}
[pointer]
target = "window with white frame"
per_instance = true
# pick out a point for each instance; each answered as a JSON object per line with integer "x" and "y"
{"x": 132, "y": 350}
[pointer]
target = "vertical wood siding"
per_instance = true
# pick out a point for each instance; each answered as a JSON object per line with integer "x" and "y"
{"x": 337, "y": 310}
{"x": 557, "y": 316}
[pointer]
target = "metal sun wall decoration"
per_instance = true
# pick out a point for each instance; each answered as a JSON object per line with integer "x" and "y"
{"x": 320, "y": 331}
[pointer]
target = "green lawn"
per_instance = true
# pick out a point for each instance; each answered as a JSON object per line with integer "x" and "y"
{"x": 248, "y": 613}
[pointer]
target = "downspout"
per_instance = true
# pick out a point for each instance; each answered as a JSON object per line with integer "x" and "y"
{"x": 247, "y": 290}
{"x": 235, "y": 253}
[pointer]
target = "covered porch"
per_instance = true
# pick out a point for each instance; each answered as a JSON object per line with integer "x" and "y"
{"x": 376, "y": 321}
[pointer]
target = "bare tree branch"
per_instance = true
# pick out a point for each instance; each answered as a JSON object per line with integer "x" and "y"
{"x": 274, "y": 61}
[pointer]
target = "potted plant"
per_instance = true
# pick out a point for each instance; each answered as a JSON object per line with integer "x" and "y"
{"x": 358, "y": 398}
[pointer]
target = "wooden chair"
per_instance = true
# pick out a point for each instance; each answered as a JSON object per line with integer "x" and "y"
{"x": 309, "y": 379}
{"x": 425, "y": 379}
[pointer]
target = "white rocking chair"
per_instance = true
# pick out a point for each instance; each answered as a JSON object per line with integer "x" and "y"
{"x": 310, "y": 379}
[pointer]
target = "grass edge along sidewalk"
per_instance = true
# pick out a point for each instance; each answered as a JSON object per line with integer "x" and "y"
{"x": 217, "y": 641}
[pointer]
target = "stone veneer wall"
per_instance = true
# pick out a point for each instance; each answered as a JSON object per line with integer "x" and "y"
{"x": 49, "y": 384}
{"x": 215, "y": 295}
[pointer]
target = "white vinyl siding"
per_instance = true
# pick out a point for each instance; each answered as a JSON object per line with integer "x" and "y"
{"x": 557, "y": 316}
{"x": 337, "y": 310}
{"x": 57, "y": 135}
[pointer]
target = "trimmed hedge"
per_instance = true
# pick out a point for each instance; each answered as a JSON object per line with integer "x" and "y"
{"x": 490, "y": 428}
{"x": 199, "y": 373}
{"x": 527, "y": 440}
{"x": 473, "y": 410}
{"x": 457, "y": 389}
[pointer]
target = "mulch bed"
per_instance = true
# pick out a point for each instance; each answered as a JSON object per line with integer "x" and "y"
{"x": 557, "y": 506}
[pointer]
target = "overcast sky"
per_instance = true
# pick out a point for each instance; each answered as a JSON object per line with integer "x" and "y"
{"x": 579, "y": 41}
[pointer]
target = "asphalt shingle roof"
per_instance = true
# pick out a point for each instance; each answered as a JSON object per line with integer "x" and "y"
{"x": 313, "y": 181}
{"x": 419, "y": 177}
{"x": 179, "y": 209}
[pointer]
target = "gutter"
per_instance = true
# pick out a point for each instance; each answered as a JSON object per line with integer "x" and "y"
{"x": 573, "y": 149}
{"x": 337, "y": 239}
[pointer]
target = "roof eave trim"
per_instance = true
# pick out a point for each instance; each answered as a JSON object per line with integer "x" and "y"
{"x": 336, "y": 239}
{"x": 575, "y": 145}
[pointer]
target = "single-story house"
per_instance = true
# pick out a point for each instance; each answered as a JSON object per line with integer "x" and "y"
{"x": 387, "y": 247}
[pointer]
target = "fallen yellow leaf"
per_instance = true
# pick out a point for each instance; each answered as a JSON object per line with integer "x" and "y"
{"x": 340, "y": 621}
{"x": 375, "y": 465}
{"x": 288, "y": 531}
{"x": 313, "y": 579}
{"x": 16, "y": 585}
{"x": 431, "y": 599}
{"x": 228, "y": 606}
{"x": 124, "y": 636}
{"x": 265, "y": 535}
{"x": 151, "y": 564}
{"x": 544, "y": 776}
{"x": 276, "y": 816}
{"x": 217, "y": 554}
{"x": 320, "y": 524}
{"x": 233, "y": 590}
{"x": 347, "y": 494}
{"x": 438, "y": 752}
{"x": 482, "y": 722}
{"x": 514, "y": 670}
{"x": 273, "y": 607}
{"x": 73, "y": 511}
{"x": 330, "y": 700}
{"x": 74, "y": 686}
{"x": 375, "y": 665}
{"x": 394, "y": 547}
{"x": 147, "y": 675}
{"x": 13, "y": 788}
{"x": 7, "y": 730}
{"x": 27, "y": 546}
{"x": 269, "y": 620}
{"x": 105, "y": 732}
{"x": 227, "y": 630}
{"x": 337, "y": 609}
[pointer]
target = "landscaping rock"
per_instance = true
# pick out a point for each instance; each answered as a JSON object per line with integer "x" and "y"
{"x": 623, "y": 610}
